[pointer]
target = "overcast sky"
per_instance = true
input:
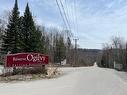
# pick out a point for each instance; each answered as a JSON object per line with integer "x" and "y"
{"x": 97, "y": 20}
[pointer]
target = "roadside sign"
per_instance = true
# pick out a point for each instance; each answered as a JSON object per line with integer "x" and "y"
{"x": 26, "y": 59}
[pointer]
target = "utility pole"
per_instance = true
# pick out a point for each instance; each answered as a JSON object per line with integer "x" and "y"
{"x": 75, "y": 52}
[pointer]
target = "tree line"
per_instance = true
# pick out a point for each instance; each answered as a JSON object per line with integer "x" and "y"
{"x": 114, "y": 53}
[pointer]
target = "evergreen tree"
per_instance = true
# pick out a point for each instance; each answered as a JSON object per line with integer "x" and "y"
{"x": 40, "y": 41}
{"x": 11, "y": 37}
{"x": 60, "y": 51}
{"x": 30, "y": 35}
{"x": 62, "y": 48}
{"x": 21, "y": 34}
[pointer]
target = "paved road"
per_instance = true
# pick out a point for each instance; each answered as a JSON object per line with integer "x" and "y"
{"x": 122, "y": 74}
{"x": 75, "y": 81}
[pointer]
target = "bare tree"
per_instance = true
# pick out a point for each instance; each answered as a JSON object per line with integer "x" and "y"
{"x": 114, "y": 52}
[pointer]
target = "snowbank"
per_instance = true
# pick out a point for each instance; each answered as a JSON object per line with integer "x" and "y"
{"x": 1, "y": 69}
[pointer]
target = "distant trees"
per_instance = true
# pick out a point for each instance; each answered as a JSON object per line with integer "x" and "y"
{"x": 116, "y": 52}
{"x": 57, "y": 46}
{"x": 87, "y": 57}
{"x": 60, "y": 49}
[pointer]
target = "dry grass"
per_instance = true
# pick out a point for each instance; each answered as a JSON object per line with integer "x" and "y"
{"x": 51, "y": 72}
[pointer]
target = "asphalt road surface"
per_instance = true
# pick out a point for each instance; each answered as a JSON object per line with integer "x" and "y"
{"x": 74, "y": 81}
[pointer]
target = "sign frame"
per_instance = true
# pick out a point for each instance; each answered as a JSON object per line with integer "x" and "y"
{"x": 26, "y": 59}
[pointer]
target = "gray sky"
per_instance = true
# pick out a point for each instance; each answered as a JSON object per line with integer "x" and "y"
{"x": 97, "y": 20}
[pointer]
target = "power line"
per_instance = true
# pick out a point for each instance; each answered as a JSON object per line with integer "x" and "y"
{"x": 67, "y": 11}
{"x": 66, "y": 18}
{"x": 75, "y": 18}
{"x": 70, "y": 13}
{"x": 65, "y": 14}
{"x": 61, "y": 14}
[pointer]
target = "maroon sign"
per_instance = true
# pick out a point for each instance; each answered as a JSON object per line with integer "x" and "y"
{"x": 26, "y": 59}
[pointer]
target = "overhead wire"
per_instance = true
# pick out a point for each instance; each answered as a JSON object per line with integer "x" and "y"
{"x": 63, "y": 8}
{"x": 65, "y": 14}
{"x": 61, "y": 14}
{"x": 67, "y": 10}
{"x": 75, "y": 18}
{"x": 69, "y": 16}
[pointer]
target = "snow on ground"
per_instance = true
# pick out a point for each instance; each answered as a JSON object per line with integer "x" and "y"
{"x": 1, "y": 69}
{"x": 75, "y": 81}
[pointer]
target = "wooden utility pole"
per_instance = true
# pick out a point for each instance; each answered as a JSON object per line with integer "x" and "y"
{"x": 75, "y": 52}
